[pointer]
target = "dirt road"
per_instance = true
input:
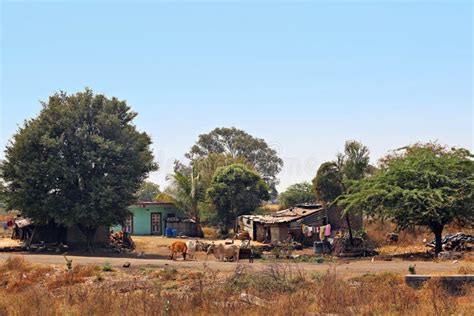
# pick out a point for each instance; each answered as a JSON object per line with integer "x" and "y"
{"x": 346, "y": 268}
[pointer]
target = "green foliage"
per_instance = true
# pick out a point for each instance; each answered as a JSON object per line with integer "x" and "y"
{"x": 186, "y": 190}
{"x": 79, "y": 162}
{"x": 412, "y": 269}
{"x": 201, "y": 172}
{"x": 237, "y": 143}
{"x": 422, "y": 185}
{"x": 298, "y": 193}
{"x": 236, "y": 190}
{"x": 333, "y": 177}
{"x": 327, "y": 184}
{"x": 148, "y": 191}
{"x": 164, "y": 197}
{"x": 107, "y": 267}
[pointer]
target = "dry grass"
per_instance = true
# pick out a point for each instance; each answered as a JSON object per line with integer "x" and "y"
{"x": 210, "y": 232}
{"x": 285, "y": 290}
{"x": 410, "y": 241}
{"x": 271, "y": 207}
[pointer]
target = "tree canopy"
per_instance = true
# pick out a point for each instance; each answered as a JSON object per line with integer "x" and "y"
{"x": 238, "y": 143}
{"x": 297, "y": 193}
{"x": 333, "y": 177}
{"x": 148, "y": 191}
{"x": 80, "y": 161}
{"x": 421, "y": 185}
{"x": 327, "y": 184}
{"x": 236, "y": 190}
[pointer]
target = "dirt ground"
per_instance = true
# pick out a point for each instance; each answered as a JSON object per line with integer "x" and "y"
{"x": 156, "y": 256}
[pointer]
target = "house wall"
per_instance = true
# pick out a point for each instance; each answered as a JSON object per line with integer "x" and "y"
{"x": 185, "y": 228}
{"x": 279, "y": 232}
{"x": 260, "y": 232}
{"x": 142, "y": 217}
{"x": 247, "y": 225}
{"x": 338, "y": 222}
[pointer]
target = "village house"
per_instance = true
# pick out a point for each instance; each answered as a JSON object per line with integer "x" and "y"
{"x": 277, "y": 226}
{"x": 158, "y": 218}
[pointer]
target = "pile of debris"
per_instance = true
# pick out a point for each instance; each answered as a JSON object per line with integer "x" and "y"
{"x": 456, "y": 242}
{"x": 121, "y": 242}
{"x": 342, "y": 247}
{"x": 293, "y": 245}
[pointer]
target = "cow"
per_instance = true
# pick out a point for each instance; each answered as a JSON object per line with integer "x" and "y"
{"x": 192, "y": 248}
{"x": 224, "y": 251}
{"x": 178, "y": 247}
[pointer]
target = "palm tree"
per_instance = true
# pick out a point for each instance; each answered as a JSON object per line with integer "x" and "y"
{"x": 187, "y": 191}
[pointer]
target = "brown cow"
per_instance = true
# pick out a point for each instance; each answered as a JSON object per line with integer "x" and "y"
{"x": 178, "y": 247}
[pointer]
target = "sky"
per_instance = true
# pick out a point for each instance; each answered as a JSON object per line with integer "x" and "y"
{"x": 304, "y": 76}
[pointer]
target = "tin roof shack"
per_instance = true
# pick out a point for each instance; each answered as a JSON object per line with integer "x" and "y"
{"x": 183, "y": 226}
{"x": 30, "y": 233}
{"x": 276, "y": 226}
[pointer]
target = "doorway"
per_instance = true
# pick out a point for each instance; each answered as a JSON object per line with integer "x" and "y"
{"x": 156, "y": 224}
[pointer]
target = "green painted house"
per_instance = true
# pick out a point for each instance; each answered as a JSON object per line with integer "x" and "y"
{"x": 149, "y": 218}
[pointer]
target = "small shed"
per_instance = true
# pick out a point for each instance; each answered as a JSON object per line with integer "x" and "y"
{"x": 184, "y": 227}
{"x": 31, "y": 233}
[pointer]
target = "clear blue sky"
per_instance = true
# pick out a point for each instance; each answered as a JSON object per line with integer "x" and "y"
{"x": 305, "y": 77}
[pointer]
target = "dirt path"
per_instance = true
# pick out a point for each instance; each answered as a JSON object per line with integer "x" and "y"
{"x": 348, "y": 268}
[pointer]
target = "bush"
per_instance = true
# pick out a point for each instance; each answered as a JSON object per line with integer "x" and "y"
{"x": 107, "y": 267}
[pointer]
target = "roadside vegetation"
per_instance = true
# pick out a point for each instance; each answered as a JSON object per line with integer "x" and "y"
{"x": 27, "y": 289}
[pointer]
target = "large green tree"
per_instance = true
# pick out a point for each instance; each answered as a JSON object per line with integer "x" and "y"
{"x": 422, "y": 185}
{"x": 79, "y": 162}
{"x": 236, "y": 190}
{"x": 297, "y": 193}
{"x": 237, "y": 143}
{"x": 148, "y": 191}
{"x": 333, "y": 177}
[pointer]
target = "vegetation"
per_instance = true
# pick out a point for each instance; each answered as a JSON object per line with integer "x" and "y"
{"x": 79, "y": 162}
{"x": 237, "y": 144}
{"x": 40, "y": 290}
{"x": 148, "y": 191}
{"x": 334, "y": 177}
{"x": 187, "y": 191}
{"x": 236, "y": 190}
{"x": 298, "y": 193}
{"x": 422, "y": 185}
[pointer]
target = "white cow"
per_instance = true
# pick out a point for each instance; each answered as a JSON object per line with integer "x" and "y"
{"x": 192, "y": 245}
{"x": 224, "y": 251}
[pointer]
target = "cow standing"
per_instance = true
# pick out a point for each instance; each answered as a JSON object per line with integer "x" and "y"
{"x": 178, "y": 247}
{"x": 192, "y": 248}
{"x": 224, "y": 251}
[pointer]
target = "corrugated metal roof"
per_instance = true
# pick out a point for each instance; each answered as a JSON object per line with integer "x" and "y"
{"x": 285, "y": 216}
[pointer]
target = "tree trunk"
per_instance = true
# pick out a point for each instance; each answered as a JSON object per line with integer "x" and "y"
{"x": 89, "y": 232}
{"x": 351, "y": 237}
{"x": 438, "y": 232}
{"x": 197, "y": 219}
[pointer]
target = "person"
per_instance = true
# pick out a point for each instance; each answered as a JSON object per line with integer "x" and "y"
{"x": 289, "y": 238}
{"x": 5, "y": 229}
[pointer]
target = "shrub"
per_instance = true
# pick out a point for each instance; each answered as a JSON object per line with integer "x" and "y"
{"x": 107, "y": 267}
